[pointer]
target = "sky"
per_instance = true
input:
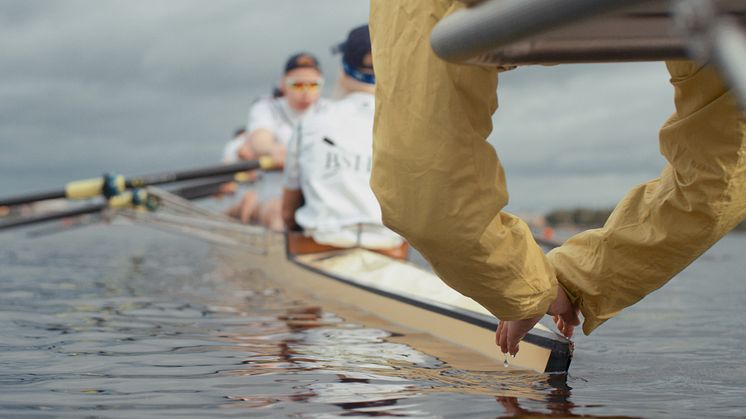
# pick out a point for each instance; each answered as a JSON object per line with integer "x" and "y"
{"x": 139, "y": 86}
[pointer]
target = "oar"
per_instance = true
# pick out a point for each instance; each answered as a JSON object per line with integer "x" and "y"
{"x": 204, "y": 189}
{"x": 192, "y": 191}
{"x": 110, "y": 185}
{"x": 51, "y": 216}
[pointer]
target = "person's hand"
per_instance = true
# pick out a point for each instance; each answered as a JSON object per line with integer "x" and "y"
{"x": 246, "y": 152}
{"x": 278, "y": 156}
{"x": 228, "y": 188}
{"x": 564, "y": 313}
{"x": 510, "y": 332}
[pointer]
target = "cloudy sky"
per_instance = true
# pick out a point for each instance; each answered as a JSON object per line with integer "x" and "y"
{"x": 137, "y": 86}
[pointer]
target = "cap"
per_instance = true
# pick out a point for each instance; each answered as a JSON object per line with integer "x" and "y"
{"x": 356, "y": 52}
{"x": 302, "y": 60}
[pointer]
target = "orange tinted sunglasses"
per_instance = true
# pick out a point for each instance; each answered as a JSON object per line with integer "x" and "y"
{"x": 304, "y": 86}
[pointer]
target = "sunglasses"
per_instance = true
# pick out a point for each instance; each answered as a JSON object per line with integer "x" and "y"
{"x": 304, "y": 86}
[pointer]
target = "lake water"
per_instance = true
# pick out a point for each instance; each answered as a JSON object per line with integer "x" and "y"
{"x": 120, "y": 321}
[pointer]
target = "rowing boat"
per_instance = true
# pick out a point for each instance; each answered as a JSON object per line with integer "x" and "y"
{"x": 363, "y": 284}
{"x": 398, "y": 291}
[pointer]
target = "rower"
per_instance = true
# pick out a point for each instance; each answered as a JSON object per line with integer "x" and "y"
{"x": 442, "y": 186}
{"x": 271, "y": 123}
{"x": 327, "y": 169}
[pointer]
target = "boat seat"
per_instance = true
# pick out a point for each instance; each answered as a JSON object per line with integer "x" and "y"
{"x": 300, "y": 244}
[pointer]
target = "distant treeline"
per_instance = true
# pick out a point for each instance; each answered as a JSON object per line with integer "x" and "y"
{"x": 584, "y": 217}
{"x": 590, "y": 218}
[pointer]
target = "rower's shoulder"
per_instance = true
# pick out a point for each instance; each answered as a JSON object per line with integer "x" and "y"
{"x": 321, "y": 122}
{"x": 319, "y": 112}
{"x": 347, "y": 118}
{"x": 352, "y": 104}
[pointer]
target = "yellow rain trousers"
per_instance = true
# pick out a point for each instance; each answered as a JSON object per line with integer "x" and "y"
{"x": 441, "y": 185}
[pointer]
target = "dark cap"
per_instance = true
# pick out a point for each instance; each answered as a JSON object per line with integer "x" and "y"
{"x": 354, "y": 52}
{"x": 302, "y": 60}
{"x": 356, "y": 47}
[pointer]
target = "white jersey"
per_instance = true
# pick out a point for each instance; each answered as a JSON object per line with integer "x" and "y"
{"x": 274, "y": 115}
{"x": 277, "y": 117}
{"x": 230, "y": 151}
{"x": 330, "y": 159}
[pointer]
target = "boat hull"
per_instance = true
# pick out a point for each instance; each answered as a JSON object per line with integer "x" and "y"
{"x": 361, "y": 286}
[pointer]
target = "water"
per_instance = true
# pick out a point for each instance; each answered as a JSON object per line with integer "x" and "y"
{"x": 116, "y": 321}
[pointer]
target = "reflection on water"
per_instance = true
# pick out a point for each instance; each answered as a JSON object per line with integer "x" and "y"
{"x": 118, "y": 322}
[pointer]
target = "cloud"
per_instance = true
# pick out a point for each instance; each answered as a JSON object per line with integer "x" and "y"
{"x": 138, "y": 86}
{"x": 589, "y": 131}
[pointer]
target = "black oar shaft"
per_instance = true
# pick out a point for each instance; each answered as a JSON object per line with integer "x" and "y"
{"x": 161, "y": 178}
{"x": 51, "y": 216}
{"x": 203, "y": 189}
{"x": 93, "y": 187}
{"x": 32, "y": 197}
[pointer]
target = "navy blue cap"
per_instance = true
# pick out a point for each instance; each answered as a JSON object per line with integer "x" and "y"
{"x": 356, "y": 47}
{"x": 354, "y": 52}
{"x": 302, "y": 60}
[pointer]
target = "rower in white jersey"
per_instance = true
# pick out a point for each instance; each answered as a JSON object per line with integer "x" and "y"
{"x": 271, "y": 123}
{"x": 327, "y": 168}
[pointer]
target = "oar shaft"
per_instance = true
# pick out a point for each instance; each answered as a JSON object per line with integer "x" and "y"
{"x": 203, "y": 189}
{"x": 161, "y": 178}
{"x": 93, "y": 187}
{"x": 32, "y": 197}
{"x": 51, "y": 216}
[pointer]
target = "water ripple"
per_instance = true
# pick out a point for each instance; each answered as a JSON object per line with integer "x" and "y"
{"x": 159, "y": 327}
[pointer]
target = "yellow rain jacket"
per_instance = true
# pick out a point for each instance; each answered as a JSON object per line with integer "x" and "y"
{"x": 441, "y": 185}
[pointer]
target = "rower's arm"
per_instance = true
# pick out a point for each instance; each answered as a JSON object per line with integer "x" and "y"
{"x": 439, "y": 182}
{"x": 292, "y": 195}
{"x": 441, "y": 185}
{"x": 292, "y": 199}
{"x": 261, "y": 143}
{"x": 663, "y": 225}
{"x": 261, "y": 139}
